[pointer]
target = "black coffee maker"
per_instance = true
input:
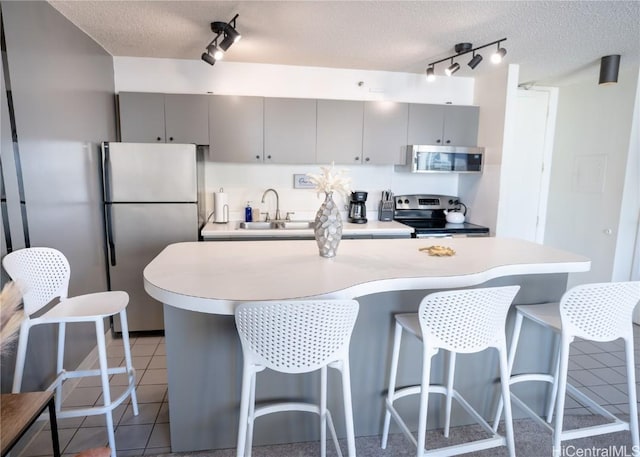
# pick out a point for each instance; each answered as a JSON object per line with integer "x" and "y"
{"x": 357, "y": 208}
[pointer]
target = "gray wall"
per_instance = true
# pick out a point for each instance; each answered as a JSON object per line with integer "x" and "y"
{"x": 62, "y": 85}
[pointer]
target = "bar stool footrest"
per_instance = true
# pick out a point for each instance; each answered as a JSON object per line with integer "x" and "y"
{"x": 96, "y": 410}
{"x": 457, "y": 449}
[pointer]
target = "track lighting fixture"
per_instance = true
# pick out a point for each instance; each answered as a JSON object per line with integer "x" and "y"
{"x": 431, "y": 75}
{"x": 609, "y": 66}
{"x": 465, "y": 48}
{"x": 451, "y": 69}
{"x": 475, "y": 60}
{"x": 226, "y": 31}
{"x": 497, "y": 56}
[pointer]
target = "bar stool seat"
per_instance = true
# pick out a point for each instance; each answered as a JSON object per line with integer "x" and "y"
{"x": 598, "y": 312}
{"x": 43, "y": 275}
{"x": 295, "y": 337}
{"x": 464, "y": 321}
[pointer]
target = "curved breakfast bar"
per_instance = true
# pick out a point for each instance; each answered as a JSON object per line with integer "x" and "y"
{"x": 201, "y": 283}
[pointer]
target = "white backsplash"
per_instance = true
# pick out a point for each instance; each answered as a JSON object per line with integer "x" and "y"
{"x": 247, "y": 182}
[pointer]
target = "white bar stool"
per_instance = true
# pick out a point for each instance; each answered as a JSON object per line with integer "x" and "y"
{"x": 43, "y": 275}
{"x": 597, "y": 312}
{"x": 461, "y": 321}
{"x": 295, "y": 337}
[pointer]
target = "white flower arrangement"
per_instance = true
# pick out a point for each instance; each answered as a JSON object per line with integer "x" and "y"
{"x": 331, "y": 180}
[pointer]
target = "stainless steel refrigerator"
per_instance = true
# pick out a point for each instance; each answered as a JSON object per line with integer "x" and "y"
{"x": 150, "y": 201}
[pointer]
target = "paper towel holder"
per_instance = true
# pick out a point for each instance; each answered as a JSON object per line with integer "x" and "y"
{"x": 225, "y": 212}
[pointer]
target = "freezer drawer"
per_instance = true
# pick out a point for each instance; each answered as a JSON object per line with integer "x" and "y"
{"x": 138, "y": 233}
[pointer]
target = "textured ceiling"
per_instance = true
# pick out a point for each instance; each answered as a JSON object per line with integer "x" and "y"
{"x": 552, "y": 41}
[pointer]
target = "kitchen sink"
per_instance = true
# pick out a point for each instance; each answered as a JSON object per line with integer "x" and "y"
{"x": 277, "y": 225}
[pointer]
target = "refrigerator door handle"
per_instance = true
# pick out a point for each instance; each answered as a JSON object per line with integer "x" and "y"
{"x": 107, "y": 203}
{"x": 110, "y": 237}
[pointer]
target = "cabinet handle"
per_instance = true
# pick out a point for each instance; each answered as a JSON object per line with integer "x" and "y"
{"x": 159, "y": 139}
{"x": 170, "y": 138}
{"x": 448, "y": 141}
{"x": 357, "y": 158}
{"x": 258, "y": 157}
{"x": 269, "y": 157}
{"x": 367, "y": 159}
{"x": 437, "y": 141}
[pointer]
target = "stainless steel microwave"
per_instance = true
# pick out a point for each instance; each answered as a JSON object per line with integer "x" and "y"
{"x": 443, "y": 159}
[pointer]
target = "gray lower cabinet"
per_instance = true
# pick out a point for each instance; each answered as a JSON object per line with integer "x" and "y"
{"x": 339, "y": 131}
{"x": 444, "y": 125}
{"x": 384, "y": 135}
{"x": 163, "y": 118}
{"x": 289, "y": 130}
{"x": 236, "y": 128}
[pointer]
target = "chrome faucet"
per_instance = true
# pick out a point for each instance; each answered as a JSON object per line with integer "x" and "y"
{"x": 277, "y": 201}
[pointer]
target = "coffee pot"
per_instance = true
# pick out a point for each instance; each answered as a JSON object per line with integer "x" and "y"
{"x": 357, "y": 207}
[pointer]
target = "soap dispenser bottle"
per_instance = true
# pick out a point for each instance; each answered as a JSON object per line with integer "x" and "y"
{"x": 248, "y": 213}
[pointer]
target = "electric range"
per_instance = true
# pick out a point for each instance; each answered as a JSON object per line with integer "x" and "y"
{"x": 426, "y": 214}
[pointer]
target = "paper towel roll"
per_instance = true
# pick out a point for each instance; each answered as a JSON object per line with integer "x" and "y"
{"x": 220, "y": 207}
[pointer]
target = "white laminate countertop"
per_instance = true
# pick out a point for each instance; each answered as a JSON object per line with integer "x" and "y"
{"x": 214, "y": 277}
{"x": 230, "y": 230}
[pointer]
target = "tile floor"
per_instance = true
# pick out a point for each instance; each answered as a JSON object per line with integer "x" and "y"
{"x": 596, "y": 368}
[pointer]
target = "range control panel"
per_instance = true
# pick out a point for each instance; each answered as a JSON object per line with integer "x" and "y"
{"x": 419, "y": 201}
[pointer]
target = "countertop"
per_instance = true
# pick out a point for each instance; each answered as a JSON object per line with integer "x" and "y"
{"x": 214, "y": 277}
{"x": 230, "y": 230}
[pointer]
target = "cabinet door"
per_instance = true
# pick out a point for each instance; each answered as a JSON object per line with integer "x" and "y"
{"x": 236, "y": 128}
{"x": 461, "y": 125}
{"x": 186, "y": 118}
{"x": 339, "y": 131}
{"x": 141, "y": 117}
{"x": 289, "y": 130}
{"x": 426, "y": 123}
{"x": 384, "y": 138}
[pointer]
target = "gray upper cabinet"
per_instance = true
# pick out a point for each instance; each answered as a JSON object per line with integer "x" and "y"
{"x": 384, "y": 137}
{"x": 186, "y": 118}
{"x": 339, "y": 131}
{"x": 443, "y": 125}
{"x": 160, "y": 118}
{"x": 141, "y": 117}
{"x": 289, "y": 130}
{"x": 236, "y": 128}
{"x": 461, "y": 125}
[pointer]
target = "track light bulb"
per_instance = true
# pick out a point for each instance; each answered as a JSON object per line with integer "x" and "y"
{"x": 215, "y": 51}
{"x": 208, "y": 58}
{"x": 452, "y": 68}
{"x": 475, "y": 61}
{"x": 498, "y": 55}
{"x": 431, "y": 74}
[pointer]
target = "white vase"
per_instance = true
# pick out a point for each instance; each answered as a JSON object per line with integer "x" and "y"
{"x": 328, "y": 227}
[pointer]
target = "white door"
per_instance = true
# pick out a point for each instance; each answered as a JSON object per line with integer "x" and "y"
{"x": 526, "y": 177}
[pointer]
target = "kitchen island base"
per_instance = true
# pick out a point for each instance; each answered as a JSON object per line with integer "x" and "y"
{"x": 204, "y": 361}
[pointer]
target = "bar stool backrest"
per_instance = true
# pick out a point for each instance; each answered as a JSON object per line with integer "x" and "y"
{"x": 296, "y": 336}
{"x": 600, "y": 311}
{"x": 468, "y": 320}
{"x": 41, "y": 273}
